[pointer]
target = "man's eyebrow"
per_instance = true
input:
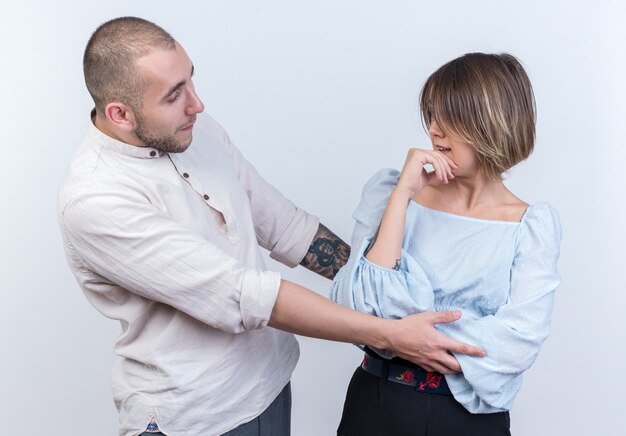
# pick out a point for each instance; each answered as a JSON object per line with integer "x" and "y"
{"x": 178, "y": 85}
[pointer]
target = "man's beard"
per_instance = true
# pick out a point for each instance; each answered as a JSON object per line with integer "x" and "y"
{"x": 164, "y": 143}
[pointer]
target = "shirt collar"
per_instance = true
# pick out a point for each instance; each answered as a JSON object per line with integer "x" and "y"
{"x": 103, "y": 140}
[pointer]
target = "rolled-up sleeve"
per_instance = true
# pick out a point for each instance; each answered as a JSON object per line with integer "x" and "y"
{"x": 131, "y": 244}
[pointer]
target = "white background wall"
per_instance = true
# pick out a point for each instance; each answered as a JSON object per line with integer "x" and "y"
{"x": 318, "y": 96}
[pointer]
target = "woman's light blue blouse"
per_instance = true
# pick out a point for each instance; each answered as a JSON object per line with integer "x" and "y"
{"x": 501, "y": 275}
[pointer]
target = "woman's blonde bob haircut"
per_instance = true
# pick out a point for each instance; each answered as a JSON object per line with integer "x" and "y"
{"x": 487, "y": 101}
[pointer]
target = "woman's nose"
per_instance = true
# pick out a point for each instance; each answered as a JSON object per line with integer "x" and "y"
{"x": 434, "y": 129}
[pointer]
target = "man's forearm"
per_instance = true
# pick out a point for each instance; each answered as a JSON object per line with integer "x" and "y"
{"x": 301, "y": 311}
{"x": 327, "y": 253}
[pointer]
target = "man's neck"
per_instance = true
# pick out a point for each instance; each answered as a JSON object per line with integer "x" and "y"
{"x": 105, "y": 127}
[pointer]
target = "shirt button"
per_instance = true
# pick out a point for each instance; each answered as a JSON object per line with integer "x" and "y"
{"x": 185, "y": 175}
{"x": 153, "y": 153}
{"x": 206, "y": 197}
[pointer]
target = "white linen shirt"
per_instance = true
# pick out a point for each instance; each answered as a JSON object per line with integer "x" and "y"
{"x": 168, "y": 245}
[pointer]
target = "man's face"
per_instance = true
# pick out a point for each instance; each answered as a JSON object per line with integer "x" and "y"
{"x": 170, "y": 103}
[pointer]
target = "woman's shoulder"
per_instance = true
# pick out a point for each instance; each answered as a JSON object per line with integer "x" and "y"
{"x": 543, "y": 213}
{"x": 384, "y": 179}
{"x": 375, "y": 194}
{"x": 541, "y": 221}
{"x": 378, "y": 188}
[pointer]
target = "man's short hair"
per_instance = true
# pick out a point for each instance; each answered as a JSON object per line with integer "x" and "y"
{"x": 486, "y": 100}
{"x": 110, "y": 56}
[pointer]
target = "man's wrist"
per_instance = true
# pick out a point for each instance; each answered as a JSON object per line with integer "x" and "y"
{"x": 381, "y": 333}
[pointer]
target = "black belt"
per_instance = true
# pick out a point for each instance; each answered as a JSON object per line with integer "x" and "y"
{"x": 409, "y": 375}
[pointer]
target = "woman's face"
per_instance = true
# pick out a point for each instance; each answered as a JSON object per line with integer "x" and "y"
{"x": 461, "y": 152}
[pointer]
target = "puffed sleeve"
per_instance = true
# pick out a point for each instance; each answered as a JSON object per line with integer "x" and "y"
{"x": 512, "y": 336}
{"x": 367, "y": 287}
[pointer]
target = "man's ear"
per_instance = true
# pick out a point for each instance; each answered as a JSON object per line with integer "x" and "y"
{"x": 120, "y": 115}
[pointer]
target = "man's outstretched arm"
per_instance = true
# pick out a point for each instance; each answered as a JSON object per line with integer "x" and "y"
{"x": 301, "y": 311}
{"x": 327, "y": 253}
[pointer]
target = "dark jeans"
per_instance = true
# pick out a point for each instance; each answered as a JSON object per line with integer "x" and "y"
{"x": 274, "y": 421}
{"x": 377, "y": 407}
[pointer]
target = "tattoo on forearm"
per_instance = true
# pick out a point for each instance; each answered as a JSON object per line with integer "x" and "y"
{"x": 397, "y": 265}
{"x": 327, "y": 253}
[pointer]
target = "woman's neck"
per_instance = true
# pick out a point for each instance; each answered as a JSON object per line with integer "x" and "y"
{"x": 471, "y": 193}
{"x": 479, "y": 197}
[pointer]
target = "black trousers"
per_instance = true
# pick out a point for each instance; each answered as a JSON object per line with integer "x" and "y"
{"x": 377, "y": 407}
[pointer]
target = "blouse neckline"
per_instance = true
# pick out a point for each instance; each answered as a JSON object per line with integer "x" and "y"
{"x": 470, "y": 218}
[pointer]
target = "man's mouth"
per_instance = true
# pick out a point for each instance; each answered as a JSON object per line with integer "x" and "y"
{"x": 188, "y": 126}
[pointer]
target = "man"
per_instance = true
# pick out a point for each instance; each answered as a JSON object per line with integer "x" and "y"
{"x": 163, "y": 235}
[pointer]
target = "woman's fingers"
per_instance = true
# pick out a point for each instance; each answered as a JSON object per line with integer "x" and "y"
{"x": 450, "y": 161}
{"x": 448, "y": 164}
{"x": 443, "y": 165}
{"x": 439, "y": 164}
{"x": 415, "y": 177}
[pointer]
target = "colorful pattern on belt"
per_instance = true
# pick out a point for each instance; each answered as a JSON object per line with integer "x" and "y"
{"x": 422, "y": 380}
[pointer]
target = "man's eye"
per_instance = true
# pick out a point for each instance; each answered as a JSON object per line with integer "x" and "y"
{"x": 175, "y": 96}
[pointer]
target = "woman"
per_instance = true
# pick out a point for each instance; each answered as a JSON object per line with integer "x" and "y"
{"x": 454, "y": 239}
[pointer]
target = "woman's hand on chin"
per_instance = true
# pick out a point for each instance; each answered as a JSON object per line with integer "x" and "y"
{"x": 414, "y": 176}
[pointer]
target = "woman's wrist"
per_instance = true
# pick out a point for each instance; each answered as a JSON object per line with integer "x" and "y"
{"x": 402, "y": 192}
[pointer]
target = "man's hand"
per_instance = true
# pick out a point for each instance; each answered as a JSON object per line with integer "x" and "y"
{"x": 417, "y": 340}
{"x": 301, "y": 311}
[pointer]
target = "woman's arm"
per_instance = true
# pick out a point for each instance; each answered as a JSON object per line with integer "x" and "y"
{"x": 373, "y": 289}
{"x": 386, "y": 247}
{"x": 513, "y": 335}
